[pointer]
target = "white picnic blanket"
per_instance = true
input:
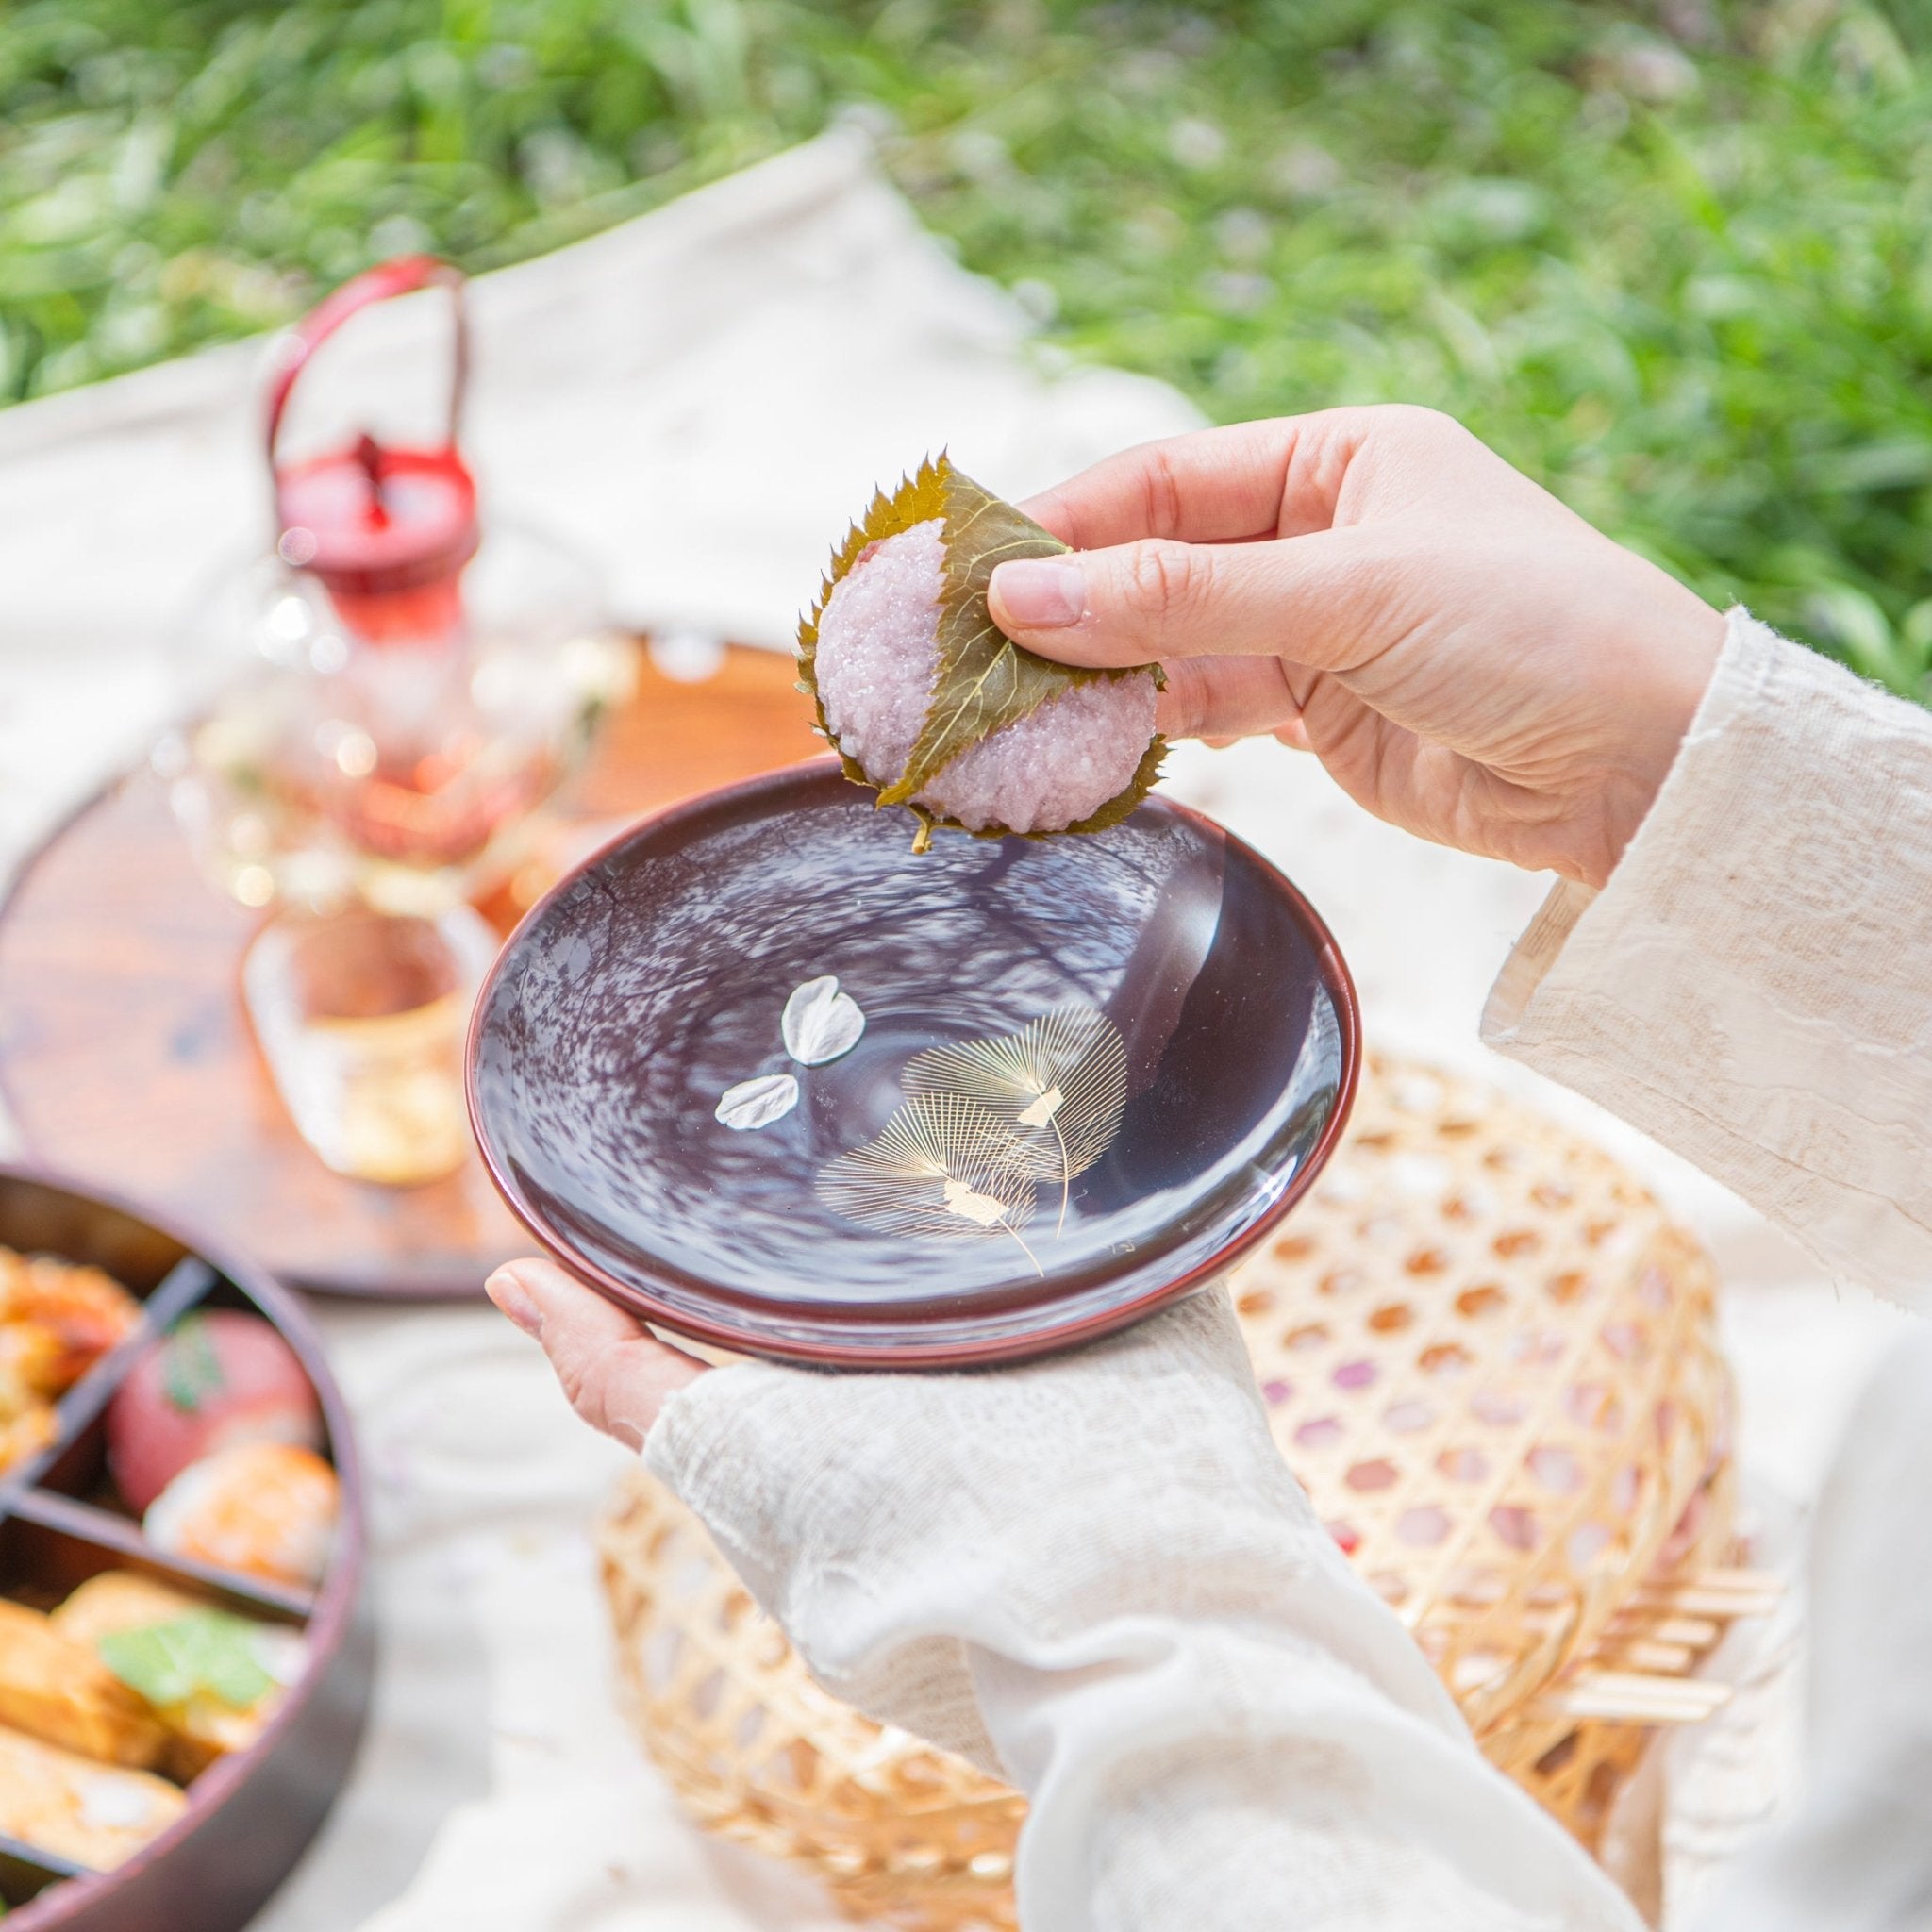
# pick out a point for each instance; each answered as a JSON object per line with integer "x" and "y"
{"x": 701, "y": 398}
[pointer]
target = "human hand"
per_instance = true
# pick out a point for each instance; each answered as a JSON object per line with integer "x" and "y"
{"x": 1469, "y": 658}
{"x": 616, "y": 1374}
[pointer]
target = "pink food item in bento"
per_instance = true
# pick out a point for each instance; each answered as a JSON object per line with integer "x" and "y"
{"x": 215, "y": 1379}
{"x": 265, "y": 1508}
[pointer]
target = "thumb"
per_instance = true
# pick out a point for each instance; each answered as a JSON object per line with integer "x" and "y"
{"x": 613, "y": 1372}
{"x": 1304, "y": 599}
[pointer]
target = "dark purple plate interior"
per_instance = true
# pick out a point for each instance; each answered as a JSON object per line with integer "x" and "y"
{"x": 1184, "y": 1018}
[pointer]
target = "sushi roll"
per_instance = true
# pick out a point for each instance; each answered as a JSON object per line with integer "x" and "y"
{"x": 931, "y": 705}
{"x": 264, "y": 1509}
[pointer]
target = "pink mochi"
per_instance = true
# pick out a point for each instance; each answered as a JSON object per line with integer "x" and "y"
{"x": 876, "y": 657}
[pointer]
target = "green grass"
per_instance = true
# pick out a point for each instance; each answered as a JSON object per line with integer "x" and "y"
{"x": 1674, "y": 260}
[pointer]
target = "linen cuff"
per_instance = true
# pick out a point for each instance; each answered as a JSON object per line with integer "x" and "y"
{"x": 1753, "y": 987}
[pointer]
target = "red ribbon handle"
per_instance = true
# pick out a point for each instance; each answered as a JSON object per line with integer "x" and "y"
{"x": 402, "y": 277}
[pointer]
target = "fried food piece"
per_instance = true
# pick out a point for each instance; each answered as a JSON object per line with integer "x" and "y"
{"x": 81, "y": 1311}
{"x": 57, "y": 1690}
{"x": 33, "y": 1360}
{"x": 96, "y": 1814}
{"x": 25, "y": 1433}
{"x": 28, "y": 1358}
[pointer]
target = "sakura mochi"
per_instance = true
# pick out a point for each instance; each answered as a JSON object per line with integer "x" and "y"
{"x": 930, "y": 703}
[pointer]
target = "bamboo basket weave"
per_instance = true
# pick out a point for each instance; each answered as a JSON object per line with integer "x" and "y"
{"x": 1491, "y": 1359}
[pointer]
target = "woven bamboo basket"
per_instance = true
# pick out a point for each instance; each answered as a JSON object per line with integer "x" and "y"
{"x": 1488, "y": 1357}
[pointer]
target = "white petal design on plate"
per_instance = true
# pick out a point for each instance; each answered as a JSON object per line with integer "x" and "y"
{"x": 821, "y": 1023}
{"x": 758, "y": 1103}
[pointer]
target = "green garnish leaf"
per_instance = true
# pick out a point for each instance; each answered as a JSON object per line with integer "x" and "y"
{"x": 190, "y": 1368}
{"x": 204, "y": 1653}
{"x": 984, "y": 681}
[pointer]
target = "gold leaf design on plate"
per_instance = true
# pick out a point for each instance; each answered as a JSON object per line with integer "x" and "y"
{"x": 1059, "y": 1088}
{"x": 940, "y": 1166}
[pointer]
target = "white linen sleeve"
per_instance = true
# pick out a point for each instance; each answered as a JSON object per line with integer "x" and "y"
{"x": 1753, "y": 988}
{"x": 1094, "y": 1576}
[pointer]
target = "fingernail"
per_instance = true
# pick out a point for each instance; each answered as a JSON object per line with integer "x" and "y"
{"x": 514, "y": 1299}
{"x": 1041, "y": 592}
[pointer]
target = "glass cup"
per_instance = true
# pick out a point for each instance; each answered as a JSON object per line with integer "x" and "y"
{"x": 361, "y": 1017}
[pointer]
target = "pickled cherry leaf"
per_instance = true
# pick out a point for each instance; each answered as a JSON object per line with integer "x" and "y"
{"x": 820, "y": 1022}
{"x": 984, "y": 681}
{"x": 758, "y": 1103}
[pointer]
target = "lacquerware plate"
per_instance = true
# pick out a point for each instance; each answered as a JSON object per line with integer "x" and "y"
{"x": 1093, "y": 1072}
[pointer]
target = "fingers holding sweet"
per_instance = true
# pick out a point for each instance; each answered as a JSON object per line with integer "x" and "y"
{"x": 614, "y": 1373}
{"x": 1311, "y": 599}
{"x": 1214, "y": 486}
{"x": 1280, "y": 477}
{"x": 1463, "y": 653}
{"x": 1222, "y": 699}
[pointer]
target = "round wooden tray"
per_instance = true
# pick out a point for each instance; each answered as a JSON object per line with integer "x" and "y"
{"x": 127, "y": 1060}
